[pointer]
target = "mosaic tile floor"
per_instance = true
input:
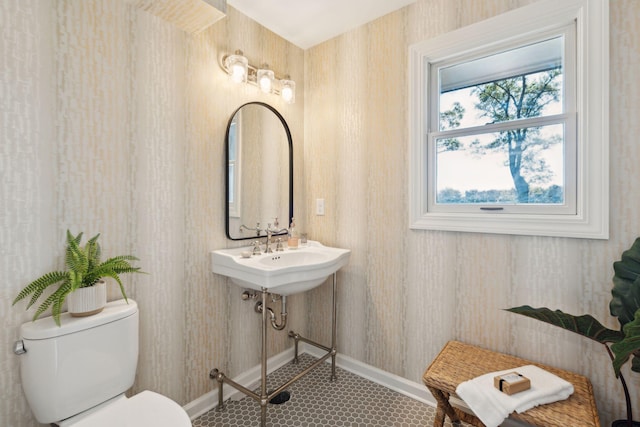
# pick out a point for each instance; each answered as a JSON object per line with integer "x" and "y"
{"x": 316, "y": 402}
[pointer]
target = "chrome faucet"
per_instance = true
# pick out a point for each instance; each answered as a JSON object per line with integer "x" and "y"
{"x": 267, "y": 249}
{"x": 257, "y": 229}
{"x": 256, "y": 248}
{"x": 270, "y": 232}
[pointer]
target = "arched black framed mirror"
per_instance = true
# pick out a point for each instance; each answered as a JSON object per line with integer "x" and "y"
{"x": 259, "y": 165}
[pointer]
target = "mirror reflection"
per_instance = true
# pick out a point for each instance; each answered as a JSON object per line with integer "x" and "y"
{"x": 259, "y": 179}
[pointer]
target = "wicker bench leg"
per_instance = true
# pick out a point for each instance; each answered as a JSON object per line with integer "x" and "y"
{"x": 438, "y": 421}
{"x": 444, "y": 407}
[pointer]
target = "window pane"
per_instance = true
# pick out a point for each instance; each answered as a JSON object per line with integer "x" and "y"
{"x": 518, "y": 166}
{"x": 519, "y": 83}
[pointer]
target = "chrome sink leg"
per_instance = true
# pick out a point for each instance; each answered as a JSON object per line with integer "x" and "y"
{"x": 218, "y": 376}
{"x": 296, "y": 339}
{"x": 263, "y": 371}
{"x": 333, "y": 331}
{"x": 331, "y": 351}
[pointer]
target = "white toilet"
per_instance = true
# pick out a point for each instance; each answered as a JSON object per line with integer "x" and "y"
{"x": 76, "y": 374}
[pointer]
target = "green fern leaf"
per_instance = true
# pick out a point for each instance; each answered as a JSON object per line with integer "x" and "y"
{"x": 37, "y": 295}
{"x": 117, "y": 279}
{"x": 93, "y": 251}
{"x": 76, "y": 258}
{"x": 60, "y": 296}
{"x": 76, "y": 239}
{"x": 40, "y": 284}
{"x": 45, "y": 305}
{"x": 120, "y": 262}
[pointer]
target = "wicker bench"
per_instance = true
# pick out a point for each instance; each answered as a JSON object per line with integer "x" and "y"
{"x": 458, "y": 362}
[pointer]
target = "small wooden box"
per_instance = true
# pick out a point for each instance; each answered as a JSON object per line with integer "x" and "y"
{"x": 511, "y": 383}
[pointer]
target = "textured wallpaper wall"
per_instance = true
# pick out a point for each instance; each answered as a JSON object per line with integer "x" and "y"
{"x": 27, "y": 210}
{"x": 113, "y": 121}
{"x": 407, "y": 292}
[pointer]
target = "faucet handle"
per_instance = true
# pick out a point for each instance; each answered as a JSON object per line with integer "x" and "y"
{"x": 279, "y": 246}
{"x": 256, "y": 248}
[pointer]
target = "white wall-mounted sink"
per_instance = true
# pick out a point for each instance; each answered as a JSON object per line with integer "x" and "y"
{"x": 281, "y": 272}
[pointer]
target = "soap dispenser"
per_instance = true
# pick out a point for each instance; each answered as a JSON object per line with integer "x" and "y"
{"x": 292, "y": 241}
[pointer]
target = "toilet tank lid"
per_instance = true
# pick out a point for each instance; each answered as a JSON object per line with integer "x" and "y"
{"x": 45, "y": 327}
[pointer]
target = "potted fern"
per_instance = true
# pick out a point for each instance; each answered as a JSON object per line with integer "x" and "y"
{"x": 621, "y": 345}
{"x": 85, "y": 272}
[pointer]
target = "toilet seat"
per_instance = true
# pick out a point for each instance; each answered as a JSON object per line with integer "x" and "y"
{"x": 145, "y": 409}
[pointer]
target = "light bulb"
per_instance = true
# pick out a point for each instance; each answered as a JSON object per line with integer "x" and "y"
{"x": 265, "y": 79}
{"x": 237, "y": 73}
{"x": 287, "y": 94}
{"x": 237, "y": 66}
{"x": 288, "y": 91}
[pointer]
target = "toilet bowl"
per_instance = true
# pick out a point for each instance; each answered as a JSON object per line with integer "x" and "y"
{"x": 76, "y": 374}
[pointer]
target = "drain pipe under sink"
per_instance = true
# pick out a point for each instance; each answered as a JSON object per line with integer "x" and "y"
{"x": 272, "y": 315}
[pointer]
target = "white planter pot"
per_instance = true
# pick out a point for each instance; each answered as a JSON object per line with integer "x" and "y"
{"x": 87, "y": 301}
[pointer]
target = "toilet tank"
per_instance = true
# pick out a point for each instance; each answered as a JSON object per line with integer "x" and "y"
{"x": 70, "y": 368}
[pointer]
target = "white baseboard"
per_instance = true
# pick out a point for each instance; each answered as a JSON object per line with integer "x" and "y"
{"x": 251, "y": 379}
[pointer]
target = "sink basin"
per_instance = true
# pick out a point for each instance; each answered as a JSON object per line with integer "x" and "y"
{"x": 286, "y": 272}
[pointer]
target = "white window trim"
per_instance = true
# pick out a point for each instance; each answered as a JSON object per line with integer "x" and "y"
{"x": 592, "y": 217}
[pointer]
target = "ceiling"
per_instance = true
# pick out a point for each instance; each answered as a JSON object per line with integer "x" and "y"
{"x": 306, "y": 23}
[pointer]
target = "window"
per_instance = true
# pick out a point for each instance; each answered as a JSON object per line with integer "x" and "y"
{"x": 509, "y": 124}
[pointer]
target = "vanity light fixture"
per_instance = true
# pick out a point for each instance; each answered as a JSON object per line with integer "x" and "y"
{"x": 239, "y": 69}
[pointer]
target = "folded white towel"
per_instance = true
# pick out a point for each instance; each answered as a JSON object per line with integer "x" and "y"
{"x": 492, "y": 406}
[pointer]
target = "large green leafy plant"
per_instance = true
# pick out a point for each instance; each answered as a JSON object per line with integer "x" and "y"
{"x": 621, "y": 344}
{"x": 84, "y": 269}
